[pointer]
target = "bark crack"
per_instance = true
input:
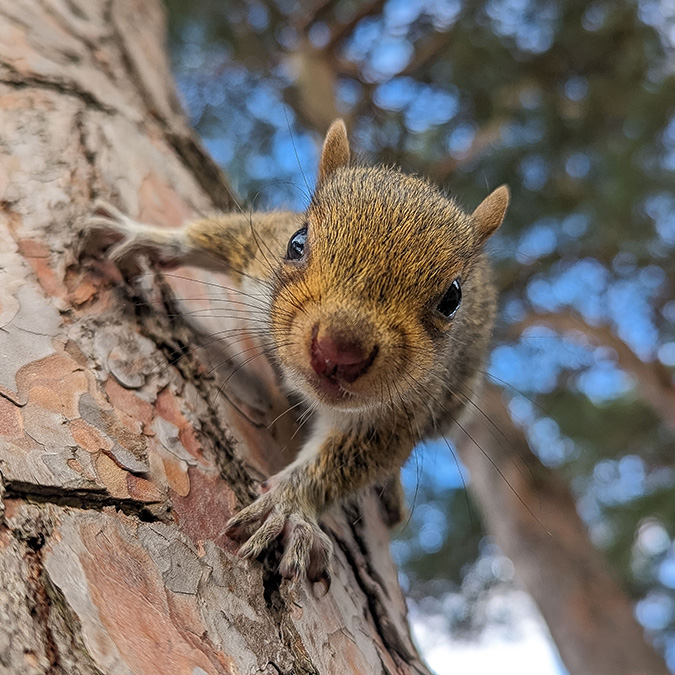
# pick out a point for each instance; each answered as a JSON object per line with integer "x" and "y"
{"x": 173, "y": 338}
{"x": 89, "y": 155}
{"x": 132, "y": 71}
{"x": 41, "y": 606}
{"x": 277, "y": 605}
{"x": 61, "y": 609}
{"x": 54, "y": 619}
{"x": 85, "y": 498}
{"x": 13, "y": 78}
{"x": 184, "y": 142}
{"x": 204, "y": 169}
{"x": 372, "y": 587}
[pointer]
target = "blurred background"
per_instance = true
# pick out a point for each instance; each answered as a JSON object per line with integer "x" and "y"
{"x": 570, "y": 102}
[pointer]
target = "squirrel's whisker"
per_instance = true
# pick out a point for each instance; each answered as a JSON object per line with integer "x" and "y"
{"x": 375, "y": 305}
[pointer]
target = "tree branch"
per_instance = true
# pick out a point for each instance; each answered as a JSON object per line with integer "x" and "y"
{"x": 652, "y": 379}
{"x": 341, "y": 31}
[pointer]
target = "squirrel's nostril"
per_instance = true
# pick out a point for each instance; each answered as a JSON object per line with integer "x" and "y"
{"x": 340, "y": 359}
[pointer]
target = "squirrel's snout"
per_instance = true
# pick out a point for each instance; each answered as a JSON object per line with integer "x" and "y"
{"x": 337, "y": 358}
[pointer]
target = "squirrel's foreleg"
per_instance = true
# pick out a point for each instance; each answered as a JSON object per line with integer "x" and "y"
{"x": 332, "y": 465}
{"x": 239, "y": 244}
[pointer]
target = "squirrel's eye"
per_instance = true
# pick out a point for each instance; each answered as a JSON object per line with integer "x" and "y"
{"x": 296, "y": 244}
{"x": 451, "y": 301}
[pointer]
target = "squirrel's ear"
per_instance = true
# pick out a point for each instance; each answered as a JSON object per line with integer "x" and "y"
{"x": 335, "y": 153}
{"x": 489, "y": 214}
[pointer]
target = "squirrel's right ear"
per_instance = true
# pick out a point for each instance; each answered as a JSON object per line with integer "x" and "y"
{"x": 335, "y": 153}
{"x": 490, "y": 213}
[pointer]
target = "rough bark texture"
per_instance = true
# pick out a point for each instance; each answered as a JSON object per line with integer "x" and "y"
{"x": 533, "y": 518}
{"x": 120, "y": 464}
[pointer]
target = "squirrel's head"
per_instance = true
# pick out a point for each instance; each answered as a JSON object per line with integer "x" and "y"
{"x": 370, "y": 293}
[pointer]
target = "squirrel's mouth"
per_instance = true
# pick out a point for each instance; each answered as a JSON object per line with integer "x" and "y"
{"x": 330, "y": 387}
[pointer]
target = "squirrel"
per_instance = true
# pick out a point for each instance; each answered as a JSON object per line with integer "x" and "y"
{"x": 379, "y": 305}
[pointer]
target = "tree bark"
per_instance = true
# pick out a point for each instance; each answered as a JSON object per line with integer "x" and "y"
{"x": 121, "y": 454}
{"x": 534, "y": 520}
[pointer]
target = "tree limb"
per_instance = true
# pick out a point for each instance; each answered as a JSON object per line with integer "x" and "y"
{"x": 652, "y": 378}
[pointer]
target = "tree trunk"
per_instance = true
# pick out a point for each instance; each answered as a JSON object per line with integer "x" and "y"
{"x": 533, "y": 518}
{"x": 122, "y": 455}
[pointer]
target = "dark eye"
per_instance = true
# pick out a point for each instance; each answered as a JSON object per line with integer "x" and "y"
{"x": 451, "y": 301}
{"x": 296, "y": 244}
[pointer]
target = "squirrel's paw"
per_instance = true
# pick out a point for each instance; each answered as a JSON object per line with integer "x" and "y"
{"x": 307, "y": 550}
{"x": 124, "y": 238}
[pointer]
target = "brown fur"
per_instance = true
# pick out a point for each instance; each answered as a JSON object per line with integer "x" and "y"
{"x": 382, "y": 250}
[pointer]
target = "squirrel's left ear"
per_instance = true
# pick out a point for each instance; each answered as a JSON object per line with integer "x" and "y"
{"x": 489, "y": 214}
{"x": 335, "y": 153}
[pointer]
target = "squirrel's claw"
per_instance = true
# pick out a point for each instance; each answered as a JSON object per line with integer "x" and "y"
{"x": 325, "y": 581}
{"x": 264, "y": 536}
{"x": 108, "y": 211}
{"x": 307, "y": 549}
{"x": 241, "y": 522}
{"x": 123, "y": 238}
{"x": 319, "y": 561}
{"x": 106, "y": 219}
{"x": 108, "y": 229}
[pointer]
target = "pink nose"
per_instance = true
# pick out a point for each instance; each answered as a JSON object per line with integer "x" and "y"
{"x": 340, "y": 359}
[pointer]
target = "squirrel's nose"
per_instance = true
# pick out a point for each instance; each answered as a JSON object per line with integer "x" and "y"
{"x": 340, "y": 359}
